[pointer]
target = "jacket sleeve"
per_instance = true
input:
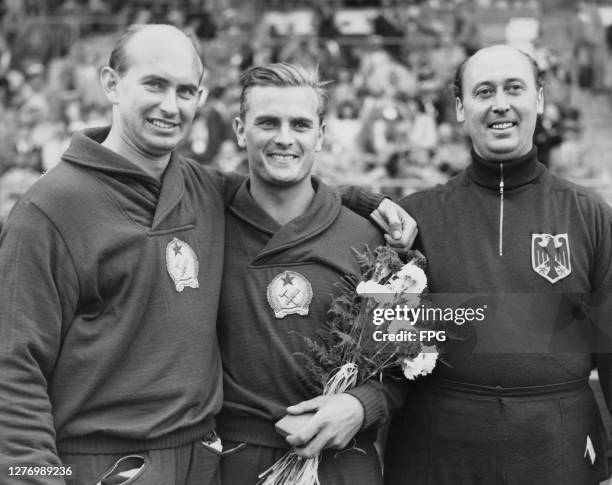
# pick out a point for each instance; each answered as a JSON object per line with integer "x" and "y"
{"x": 380, "y": 399}
{"x": 360, "y": 200}
{"x": 601, "y": 308}
{"x": 38, "y": 291}
{"x": 231, "y": 182}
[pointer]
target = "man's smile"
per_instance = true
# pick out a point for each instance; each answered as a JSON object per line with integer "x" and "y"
{"x": 163, "y": 124}
{"x": 502, "y": 125}
{"x": 282, "y": 157}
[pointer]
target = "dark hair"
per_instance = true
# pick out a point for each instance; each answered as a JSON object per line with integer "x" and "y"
{"x": 457, "y": 86}
{"x": 118, "y": 59}
{"x": 285, "y": 75}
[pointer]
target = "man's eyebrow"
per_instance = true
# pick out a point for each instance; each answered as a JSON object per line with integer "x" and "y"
{"x": 480, "y": 84}
{"x": 300, "y": 119}
{"x": 297, "y": 119}
{"x": 515, "y": 80}
{"x": 265, "y": 118}
{"x": 154, "y": 77}
{"x": 190, "y": 86}
{"x": 491, "y": 83}
{"x": 162, "y": 79}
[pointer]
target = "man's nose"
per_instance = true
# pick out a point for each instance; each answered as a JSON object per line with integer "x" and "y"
{"x": 500, "y": 102}
{"x": 284, "y": 136}
{"x": 169, "y": 104}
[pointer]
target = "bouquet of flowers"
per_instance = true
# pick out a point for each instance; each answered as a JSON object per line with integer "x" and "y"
{"x": 348, "y": 353}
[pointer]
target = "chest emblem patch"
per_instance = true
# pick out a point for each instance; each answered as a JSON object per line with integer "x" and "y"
{"x": 288, "y": 293}
{"x": 182, "y": 264}
{"x": 550, "y": 256}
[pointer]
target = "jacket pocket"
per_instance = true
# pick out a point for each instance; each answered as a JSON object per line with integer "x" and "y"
{"x": 125, "y": 471}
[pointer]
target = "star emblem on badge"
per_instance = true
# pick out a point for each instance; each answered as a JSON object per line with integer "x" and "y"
{"x": 289, "y": 293}
{"x": 287, "y": 279}
{"x": 177, "y": 248}
{"x": 182, "y": 265}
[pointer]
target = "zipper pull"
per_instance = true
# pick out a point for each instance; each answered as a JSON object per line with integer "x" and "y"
{"x": 501, "y": 210}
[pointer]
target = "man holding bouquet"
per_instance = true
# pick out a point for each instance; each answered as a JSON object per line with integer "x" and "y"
{"x": 289, "y": 243}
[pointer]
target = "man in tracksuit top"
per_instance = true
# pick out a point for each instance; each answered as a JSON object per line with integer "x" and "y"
{"x": 507, "y": 226}
{"x": 107, "y": 335}
{"x": 110, "y": 274}
{"x": 288, "y": 244}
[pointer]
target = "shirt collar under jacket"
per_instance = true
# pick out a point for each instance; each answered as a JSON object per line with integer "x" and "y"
{"x": 516, "y": 172}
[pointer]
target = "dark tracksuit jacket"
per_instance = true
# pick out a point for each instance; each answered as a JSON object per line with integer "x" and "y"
{"x": 109, "y": 283}
{"x": 494, "y": 417}
{"x": 259, "y": 253}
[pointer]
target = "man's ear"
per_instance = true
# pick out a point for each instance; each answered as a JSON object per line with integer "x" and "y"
{"x": 540, "y": 101}
{"x": 320, "y": 136}
{"x": 109, "y": 78}
{"x": 202, "y": 94}
{"x": 459, "y": 110}
{"x": 239, "y": 130}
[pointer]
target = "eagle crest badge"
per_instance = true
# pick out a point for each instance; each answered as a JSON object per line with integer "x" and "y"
{"x": 550, "y": 256}
{"x": 182, "y": 264}
{"x": 289, "y": 293}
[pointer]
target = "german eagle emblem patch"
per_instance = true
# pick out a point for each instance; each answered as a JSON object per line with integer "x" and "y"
{"x": 550, "y": 256}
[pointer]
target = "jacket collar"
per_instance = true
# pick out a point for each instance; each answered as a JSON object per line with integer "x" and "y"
{"x": 87, "y": 151}
{"x": 516, "y": 172}
{"x": 321, "y": 213}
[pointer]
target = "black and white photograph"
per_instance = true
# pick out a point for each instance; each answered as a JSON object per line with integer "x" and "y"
{"x": 305, "y": 242}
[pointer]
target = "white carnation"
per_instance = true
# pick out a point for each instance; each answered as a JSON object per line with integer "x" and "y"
{"x": 421, "y": 365}
{"x": 409, "y": 279}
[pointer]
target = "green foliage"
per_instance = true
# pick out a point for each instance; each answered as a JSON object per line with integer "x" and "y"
{"x": 347, "y": 336}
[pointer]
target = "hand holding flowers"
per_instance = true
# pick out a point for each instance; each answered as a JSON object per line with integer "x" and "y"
{"x": 347, "y": 354}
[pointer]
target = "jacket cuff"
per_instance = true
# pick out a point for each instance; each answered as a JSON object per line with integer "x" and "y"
{"x": 360, "y": 200}
{"x": 373, "y": 402}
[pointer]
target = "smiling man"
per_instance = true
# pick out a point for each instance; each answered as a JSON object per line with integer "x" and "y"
{"x": 288, "y": 244}
{"x": 513, "y": 412}
{"x": 155, "y": 95}
{"x": 500, "y": 105}
{"x": 108, "y": 349}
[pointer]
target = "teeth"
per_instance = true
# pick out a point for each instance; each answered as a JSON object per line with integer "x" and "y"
{"x": 501, "y": 126}
{"x": 162, "y": 124}
{"x": 283, "y": 158}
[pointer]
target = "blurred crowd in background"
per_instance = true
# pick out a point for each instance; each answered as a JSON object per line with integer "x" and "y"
{"x": 391, "y": 122}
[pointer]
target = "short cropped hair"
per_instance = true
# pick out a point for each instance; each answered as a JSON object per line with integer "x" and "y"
{"x": 457, "y": 86}
{"x": 283, "y": 74}
{"x": 118, "y": 58}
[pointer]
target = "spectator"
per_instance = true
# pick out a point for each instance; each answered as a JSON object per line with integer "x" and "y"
{"x": 217, "y": 124}
{"x": 13, "y": 184}
{"x": 466, "y": 29}
{"x": 548, "y": 132}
